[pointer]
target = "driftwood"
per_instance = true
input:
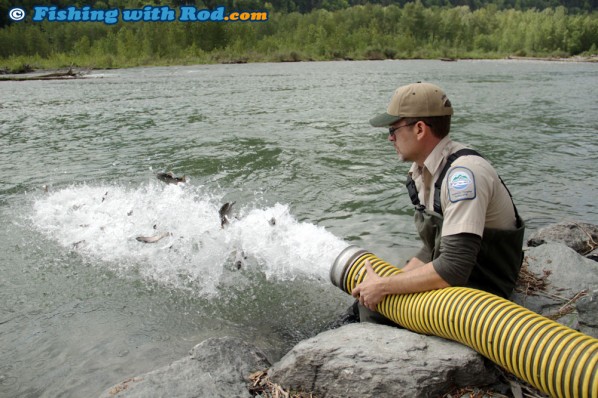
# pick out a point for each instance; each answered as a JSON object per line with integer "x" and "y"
{"x": 530, "y": 284}
{"x": 65, "y": 75}
{"x": 260, "y": 385}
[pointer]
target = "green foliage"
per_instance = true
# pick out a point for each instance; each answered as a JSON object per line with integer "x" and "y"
{"x": 359, "y": 32}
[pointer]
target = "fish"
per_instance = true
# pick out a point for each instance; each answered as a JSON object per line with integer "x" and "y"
{"x": 224, "y": 213}
{"x": 153, "y": 239}
{"x": 170, "y": 178}
{"x": 239, "y": 257}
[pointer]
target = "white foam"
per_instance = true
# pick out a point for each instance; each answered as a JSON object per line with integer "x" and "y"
{"x": 102, "y": 223}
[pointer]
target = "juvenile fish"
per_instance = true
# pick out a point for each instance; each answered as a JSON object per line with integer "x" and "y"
{"x": 224, "y": 213}
{"x": 153, "y": 239}
{"x": 170, "y": 178}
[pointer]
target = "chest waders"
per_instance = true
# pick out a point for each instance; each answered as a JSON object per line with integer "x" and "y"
{"x": 499, "y": 259}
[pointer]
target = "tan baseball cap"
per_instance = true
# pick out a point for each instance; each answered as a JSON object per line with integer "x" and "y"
{"x": 414, "y": 100}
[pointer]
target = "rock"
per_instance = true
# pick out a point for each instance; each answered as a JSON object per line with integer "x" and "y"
{"x": 568, "y": 270}
{"x": 569, "y": 275}
{"x": 366, "y": 360}
{"x": 587, "y": 307}
{"x": 217, "y": 367}
{"x": 593, "y": 255}
{"x": 579, "y": 236}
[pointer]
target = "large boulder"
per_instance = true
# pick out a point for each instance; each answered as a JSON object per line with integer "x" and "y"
{"x": 217, "y": 367}
{"x": 367, "y": 360}
{"x": 579, "y": 236}
{"x": 587, "y": 308}
{"x": 570, "y": 293}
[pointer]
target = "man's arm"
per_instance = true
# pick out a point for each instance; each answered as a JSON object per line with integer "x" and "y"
{"x": 451, "y": 268}
{"x": 423, "y": 256}
{"x": 373, "y": 289}
{"x": 458, "y": 257}
{"x": 413, "y": 264}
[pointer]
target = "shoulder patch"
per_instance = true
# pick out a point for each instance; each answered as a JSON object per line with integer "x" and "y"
{"x": 460, "y": 183}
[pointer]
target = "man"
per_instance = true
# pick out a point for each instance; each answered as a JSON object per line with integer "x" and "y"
{"x": 470, "y": 228}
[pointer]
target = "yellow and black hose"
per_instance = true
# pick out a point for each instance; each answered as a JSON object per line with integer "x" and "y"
{"x": 553, "y": 358}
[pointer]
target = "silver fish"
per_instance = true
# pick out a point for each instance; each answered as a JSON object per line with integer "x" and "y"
{"x": 224, "y": 213}
{"x": 239, "y": 259}
{"x": 170, "y": 178}
{"x": 153, "y": 239}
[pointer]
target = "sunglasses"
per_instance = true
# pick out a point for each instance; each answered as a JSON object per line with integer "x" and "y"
{"x": 391, "y": 130}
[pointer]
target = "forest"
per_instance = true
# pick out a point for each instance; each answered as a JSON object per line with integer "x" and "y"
{"x": 306, "y": 30}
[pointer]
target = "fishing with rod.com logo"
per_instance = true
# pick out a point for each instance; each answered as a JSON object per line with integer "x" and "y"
{"x": 148, "y": 13}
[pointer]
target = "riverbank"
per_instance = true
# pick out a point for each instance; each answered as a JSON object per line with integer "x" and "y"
{"x": 576, "y": 58}
{"x": 35, "y": 69}
{"x": 372, "y": 32}
{"x": 53, "y": 74}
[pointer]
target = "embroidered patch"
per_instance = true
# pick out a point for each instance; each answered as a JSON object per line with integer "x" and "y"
{"x": 461, "y": 184}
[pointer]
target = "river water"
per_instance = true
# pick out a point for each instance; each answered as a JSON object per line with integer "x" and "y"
{"x": 84, "y": 305}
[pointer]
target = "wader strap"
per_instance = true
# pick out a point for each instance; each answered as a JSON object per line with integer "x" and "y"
{"x": 412, "y": 190}
{"x": 519, "y": 220}
{"x": 413, "y": 195}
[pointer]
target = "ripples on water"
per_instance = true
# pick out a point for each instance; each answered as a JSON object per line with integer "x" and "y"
{"x": 84, "y": 305}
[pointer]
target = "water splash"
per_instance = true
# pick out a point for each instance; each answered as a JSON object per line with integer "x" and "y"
{"x": 102, "y": 224}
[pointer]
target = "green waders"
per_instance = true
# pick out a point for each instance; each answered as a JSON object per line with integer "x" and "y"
{"x": 498, "y": 262}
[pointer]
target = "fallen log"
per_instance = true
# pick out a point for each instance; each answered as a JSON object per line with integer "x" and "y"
{"x": 64, "y": 75}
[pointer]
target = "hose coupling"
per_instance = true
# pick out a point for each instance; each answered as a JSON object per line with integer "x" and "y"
{"x": 343, "y": 263}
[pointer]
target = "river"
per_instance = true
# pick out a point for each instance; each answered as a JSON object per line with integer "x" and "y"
{"x": 84, "y": 305}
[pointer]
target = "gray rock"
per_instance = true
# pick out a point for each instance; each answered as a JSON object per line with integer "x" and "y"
{"x": 570, "y": 274}
{"x": 593, "y": 255}
{"x": 568, "y": 270}
{"x": 217, "y": 367}
{"x": 367, "y": 360}
{"x": 588, "y": 310}
{"x": 579, "y": 236}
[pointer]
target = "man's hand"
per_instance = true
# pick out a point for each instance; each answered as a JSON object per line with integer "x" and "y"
{"x": 420, "y": 278}
{"x": 370, "y": 291}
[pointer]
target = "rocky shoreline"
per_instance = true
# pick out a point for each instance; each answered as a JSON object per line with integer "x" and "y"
{"x": 26, "y": 72}
{"x": 559, "y": 280}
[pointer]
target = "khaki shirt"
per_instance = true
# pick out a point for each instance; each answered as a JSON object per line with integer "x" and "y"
{"x": 472, "y": 196}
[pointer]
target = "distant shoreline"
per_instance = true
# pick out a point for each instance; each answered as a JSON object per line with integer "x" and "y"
{"x": 575, "y": 58}
{"x": 71, "y": 73}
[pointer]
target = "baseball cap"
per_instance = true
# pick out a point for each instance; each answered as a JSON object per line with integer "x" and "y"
{"x": 414, "y": 100}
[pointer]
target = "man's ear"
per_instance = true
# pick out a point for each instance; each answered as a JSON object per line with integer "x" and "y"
{"x": 422, "y": 130}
